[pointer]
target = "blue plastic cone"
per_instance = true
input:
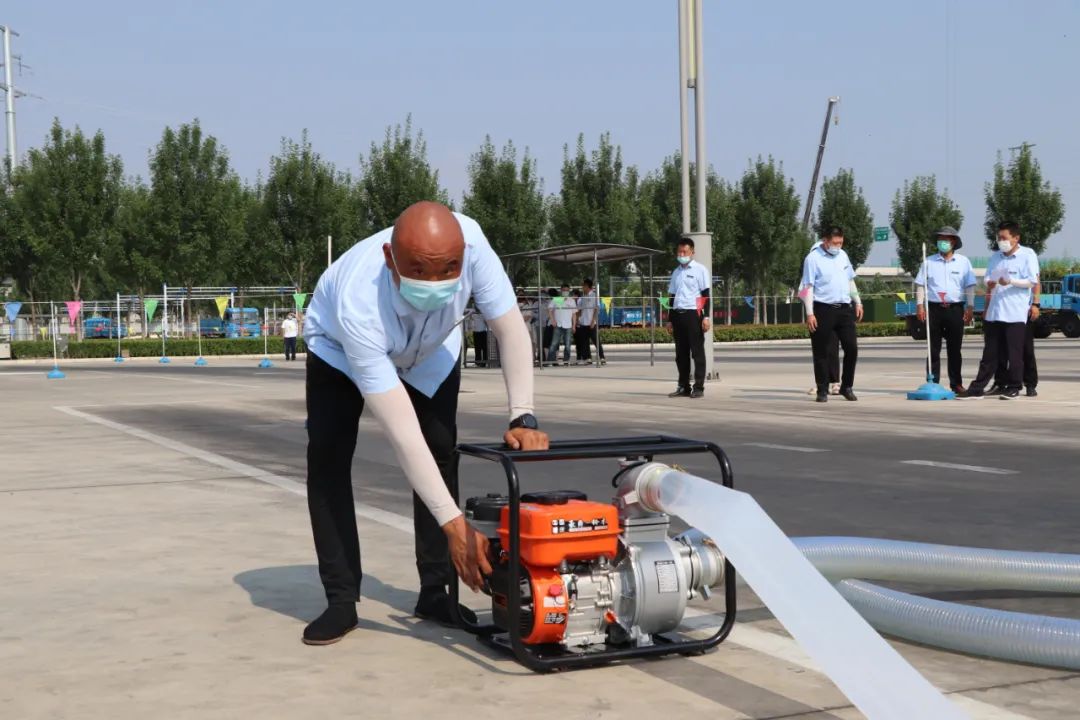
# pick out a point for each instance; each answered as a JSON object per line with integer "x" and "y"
{"x": 118, "y": 359}
{"x": 931, "y": 390}
{"x": 265, "y": 363}
{"x": 164, "y": 360}
{"x": 200, "y": 361}
{"x": 55, "y": 374}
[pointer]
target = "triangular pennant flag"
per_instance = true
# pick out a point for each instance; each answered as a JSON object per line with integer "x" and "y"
{"x": 150, "y": 304}
{"x": 12, "y": 309}
{"x": 749, "y": 300}
{"x": 665, "y": 302}
{"x": 299, "y": 299}
{"x": 606, "y": 303}
{"x": 942, "y": 296}
{"x": 558, "y": 301}
{"x": 902, "y": 296}
{"x": 222, "y": 303}
{"x": 73, "y": 307}
{"x": 701, "y": 303}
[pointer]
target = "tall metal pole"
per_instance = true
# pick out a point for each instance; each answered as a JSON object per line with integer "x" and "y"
{"x": 9, "y": 114}
{"x": 699, "y": 123}
{"x": 817, "y": 164}
{"x": 684, "y": 113}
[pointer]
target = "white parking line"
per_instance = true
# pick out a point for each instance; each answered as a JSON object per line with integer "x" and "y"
{"x": 958, "y": 466}
{"x": 790, "y": 448}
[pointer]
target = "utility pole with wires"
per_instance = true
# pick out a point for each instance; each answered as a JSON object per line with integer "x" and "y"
{"x": 1022, "y": 146}
{"x": 817, "y": 164}
{"x": 12, "y": 93}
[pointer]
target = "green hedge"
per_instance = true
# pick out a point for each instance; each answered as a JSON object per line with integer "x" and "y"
{"x": 152, "y": 348}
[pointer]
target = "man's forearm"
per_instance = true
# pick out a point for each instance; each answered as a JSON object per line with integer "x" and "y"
{"x": 515, "y": 356}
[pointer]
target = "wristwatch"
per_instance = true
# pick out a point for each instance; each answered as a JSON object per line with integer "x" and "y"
{"x": 1035, "y": 305}
{"x": 527, "y": 421}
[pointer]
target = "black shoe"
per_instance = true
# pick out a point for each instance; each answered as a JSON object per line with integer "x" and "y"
{"x": 336, "y": 622}
{"x": 680, "y": 392}
{"x": 1010, "y": 394}
{"x": 970, "y": 395}
{"x": 697, "y": 392}
{"x": 1031, "y": 392}
{"x": 822, "y": 397}
{"x": 995, "y": 389}
{"x": 848, "y": 394}
{"x": 434, "y": 604}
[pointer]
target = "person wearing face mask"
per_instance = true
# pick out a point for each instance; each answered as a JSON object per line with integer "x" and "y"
{"x": 1011, "y": 274}
{"x": 289, "y": 331}
{"x": 690, "y": 283}
{"x": 834, "y": 353}
{"x": 561, "y": 312}
{"x": 383, "y": 332}
{"x": 947, "y": 281}
{"x": 832, "y": 306}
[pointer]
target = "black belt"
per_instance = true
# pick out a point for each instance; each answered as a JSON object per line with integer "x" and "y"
{"x": 948, "y": 304}
{"x": 685, "y": 310}
{"x": 832, "y": 305}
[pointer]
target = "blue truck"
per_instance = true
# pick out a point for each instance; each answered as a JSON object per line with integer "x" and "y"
{"x": 102, "y": 327}
{"x": 236, "y": 323}
{"x": 1059, "y": 305}
{"x": 625, "y": 317}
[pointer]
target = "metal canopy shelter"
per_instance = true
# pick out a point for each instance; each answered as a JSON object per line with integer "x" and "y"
{"x": 584, "y": 254}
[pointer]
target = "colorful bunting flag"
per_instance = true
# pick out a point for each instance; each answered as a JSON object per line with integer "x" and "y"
{"x": 73, "y": 307}
{"x": 902, "y": 296}
{"x": 299, "y": 299}
{"x": 701, "y": 303}
{"x": 749, "y": 300}
{"x": 665, "y": 302}
{"x": 606, "y": 303}
{"x": 150, "y": 305}
{"x": 222, "y": 303}
{"x": 12, "y": 309}
{"x": 558, "y": 301}
{"x": 941, "y": 295}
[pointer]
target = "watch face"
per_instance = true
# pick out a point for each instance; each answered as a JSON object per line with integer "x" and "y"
{"x": 527, "y": 421}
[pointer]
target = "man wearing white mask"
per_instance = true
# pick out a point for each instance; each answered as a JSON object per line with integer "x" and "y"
{"x": 1011, "y": 274}
{"x": 947, "y": 282}
{"x": 384, "y": 332}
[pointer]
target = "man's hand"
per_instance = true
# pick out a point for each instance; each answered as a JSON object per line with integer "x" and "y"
{"x": 1005, "y": 280}
{"x": 920, "y": 313}
{"x": 969, "y": 315}
{"x": 811, "y": 322}
{"x": 669, "y": 327}
{"x": 526, "y": 439}
{"x": 1033, "y": 313}
{"x": 858, "y": 313}
{"x": 705, "y": 324}
{"x": 468, "y": 551}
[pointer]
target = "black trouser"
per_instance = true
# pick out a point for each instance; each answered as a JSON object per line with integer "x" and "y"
{"x": 548, "y": 332}
{"x": 1001, "y": 337}
{"x": 582, "y": 349}
{"x": 689, "y": 340}
{"x": 947, "y": 321}
{"x": 1031, "y": 368}
{"x": 834, "y": 359}
{"x": 834, "y": 321}
{"x": 480, "y": 349}
{"x": 290, "y": 348}
{"x": 334, "y": 405}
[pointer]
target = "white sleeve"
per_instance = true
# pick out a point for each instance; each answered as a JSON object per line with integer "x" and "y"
{"x": 920, "y": 294}
{"x": 395, "y": 413}
{"x": 853, "y": 292}
{"x": 969, "y": 296}
{"x": 807, "y": 295}
{"x": 515, "y": 356}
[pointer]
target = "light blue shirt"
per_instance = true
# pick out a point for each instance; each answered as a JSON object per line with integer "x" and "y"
{"x": 1009, "y": 303}
{"x": 948, "y": 278}
{"x": 687, "y": 283}
{"x": 358, "y": 322}
{"x": 829, "y": 275}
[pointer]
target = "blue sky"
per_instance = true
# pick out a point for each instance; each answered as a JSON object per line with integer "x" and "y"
{"x": 926, "y": 87}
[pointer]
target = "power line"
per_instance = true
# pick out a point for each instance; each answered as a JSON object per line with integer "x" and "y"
{"x": 9, "y": 88}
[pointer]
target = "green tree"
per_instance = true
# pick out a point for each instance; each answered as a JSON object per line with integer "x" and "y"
{"x": 134, "y": 260}
{"x": 917, "y": 211}
{"x": 26, "y": 262}
{"x": 507, "y": 199}
{"x": 195, "y": 208}
{"x": 68, "y": 194}
{"x": 1019, "y": 193}
{"x": 305, "y": 199}
{"x": 770, "y": 236}
{"x": 843, "y": 205}
{"x": 596, "y": 200}
{"x": 395, "y": 175}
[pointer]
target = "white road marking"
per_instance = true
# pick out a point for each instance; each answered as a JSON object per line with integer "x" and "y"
{"x": 23, "y": 372}
{"x": 398, "y": 522}
{"x": 958, "y": 466}
{"x": 768, "y": 643}
{"x": 791, "y": 448}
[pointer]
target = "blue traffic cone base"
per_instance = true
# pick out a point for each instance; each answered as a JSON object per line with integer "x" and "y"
{"x": 55, "y": 374}
{"x": 265, "y": 363}
{"x": 200, "y": 361}
{"x": 118, "y": 359}
{"x": 164, "y": 361}
{"x": 931, "y": 391}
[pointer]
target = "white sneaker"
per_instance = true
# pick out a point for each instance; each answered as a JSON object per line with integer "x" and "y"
{"x": 834, "y": 389}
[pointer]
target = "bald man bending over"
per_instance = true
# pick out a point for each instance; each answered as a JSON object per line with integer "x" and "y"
{"x": 383, "y": 331}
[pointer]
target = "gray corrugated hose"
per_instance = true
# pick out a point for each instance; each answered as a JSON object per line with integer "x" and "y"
{"x": 1020, "y": 637}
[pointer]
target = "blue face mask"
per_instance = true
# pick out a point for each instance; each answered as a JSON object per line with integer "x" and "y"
{"x": 683, "y": 259}
{"x": 831, "y": 249}
{"x": 944, "y": 246}
{"x": 427, "y": 295}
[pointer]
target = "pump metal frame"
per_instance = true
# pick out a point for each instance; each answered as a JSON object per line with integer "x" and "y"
{"x": 543, "y": 658}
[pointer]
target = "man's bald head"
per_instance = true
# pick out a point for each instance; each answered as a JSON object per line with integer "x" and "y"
{"x": 427, "y": 243}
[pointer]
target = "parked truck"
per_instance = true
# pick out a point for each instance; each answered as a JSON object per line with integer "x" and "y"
{"x": 102, "y": 327}
{"x": 1059, "y": 310}
{"x": 235, "y": 323}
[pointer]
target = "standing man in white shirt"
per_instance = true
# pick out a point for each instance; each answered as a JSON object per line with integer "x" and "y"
{"x": 690, "y": 284}
{"x": 1012, "y": 273}
{"x": 289, "y": 330}
{"x": 479, "y": 331}
{"x": 588, "y": 321}
{"x": 383, "y": 333}
{"x": 947, "y": 281}
{"x": 832, "y": 305}
{"x": 561, "y": 312}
